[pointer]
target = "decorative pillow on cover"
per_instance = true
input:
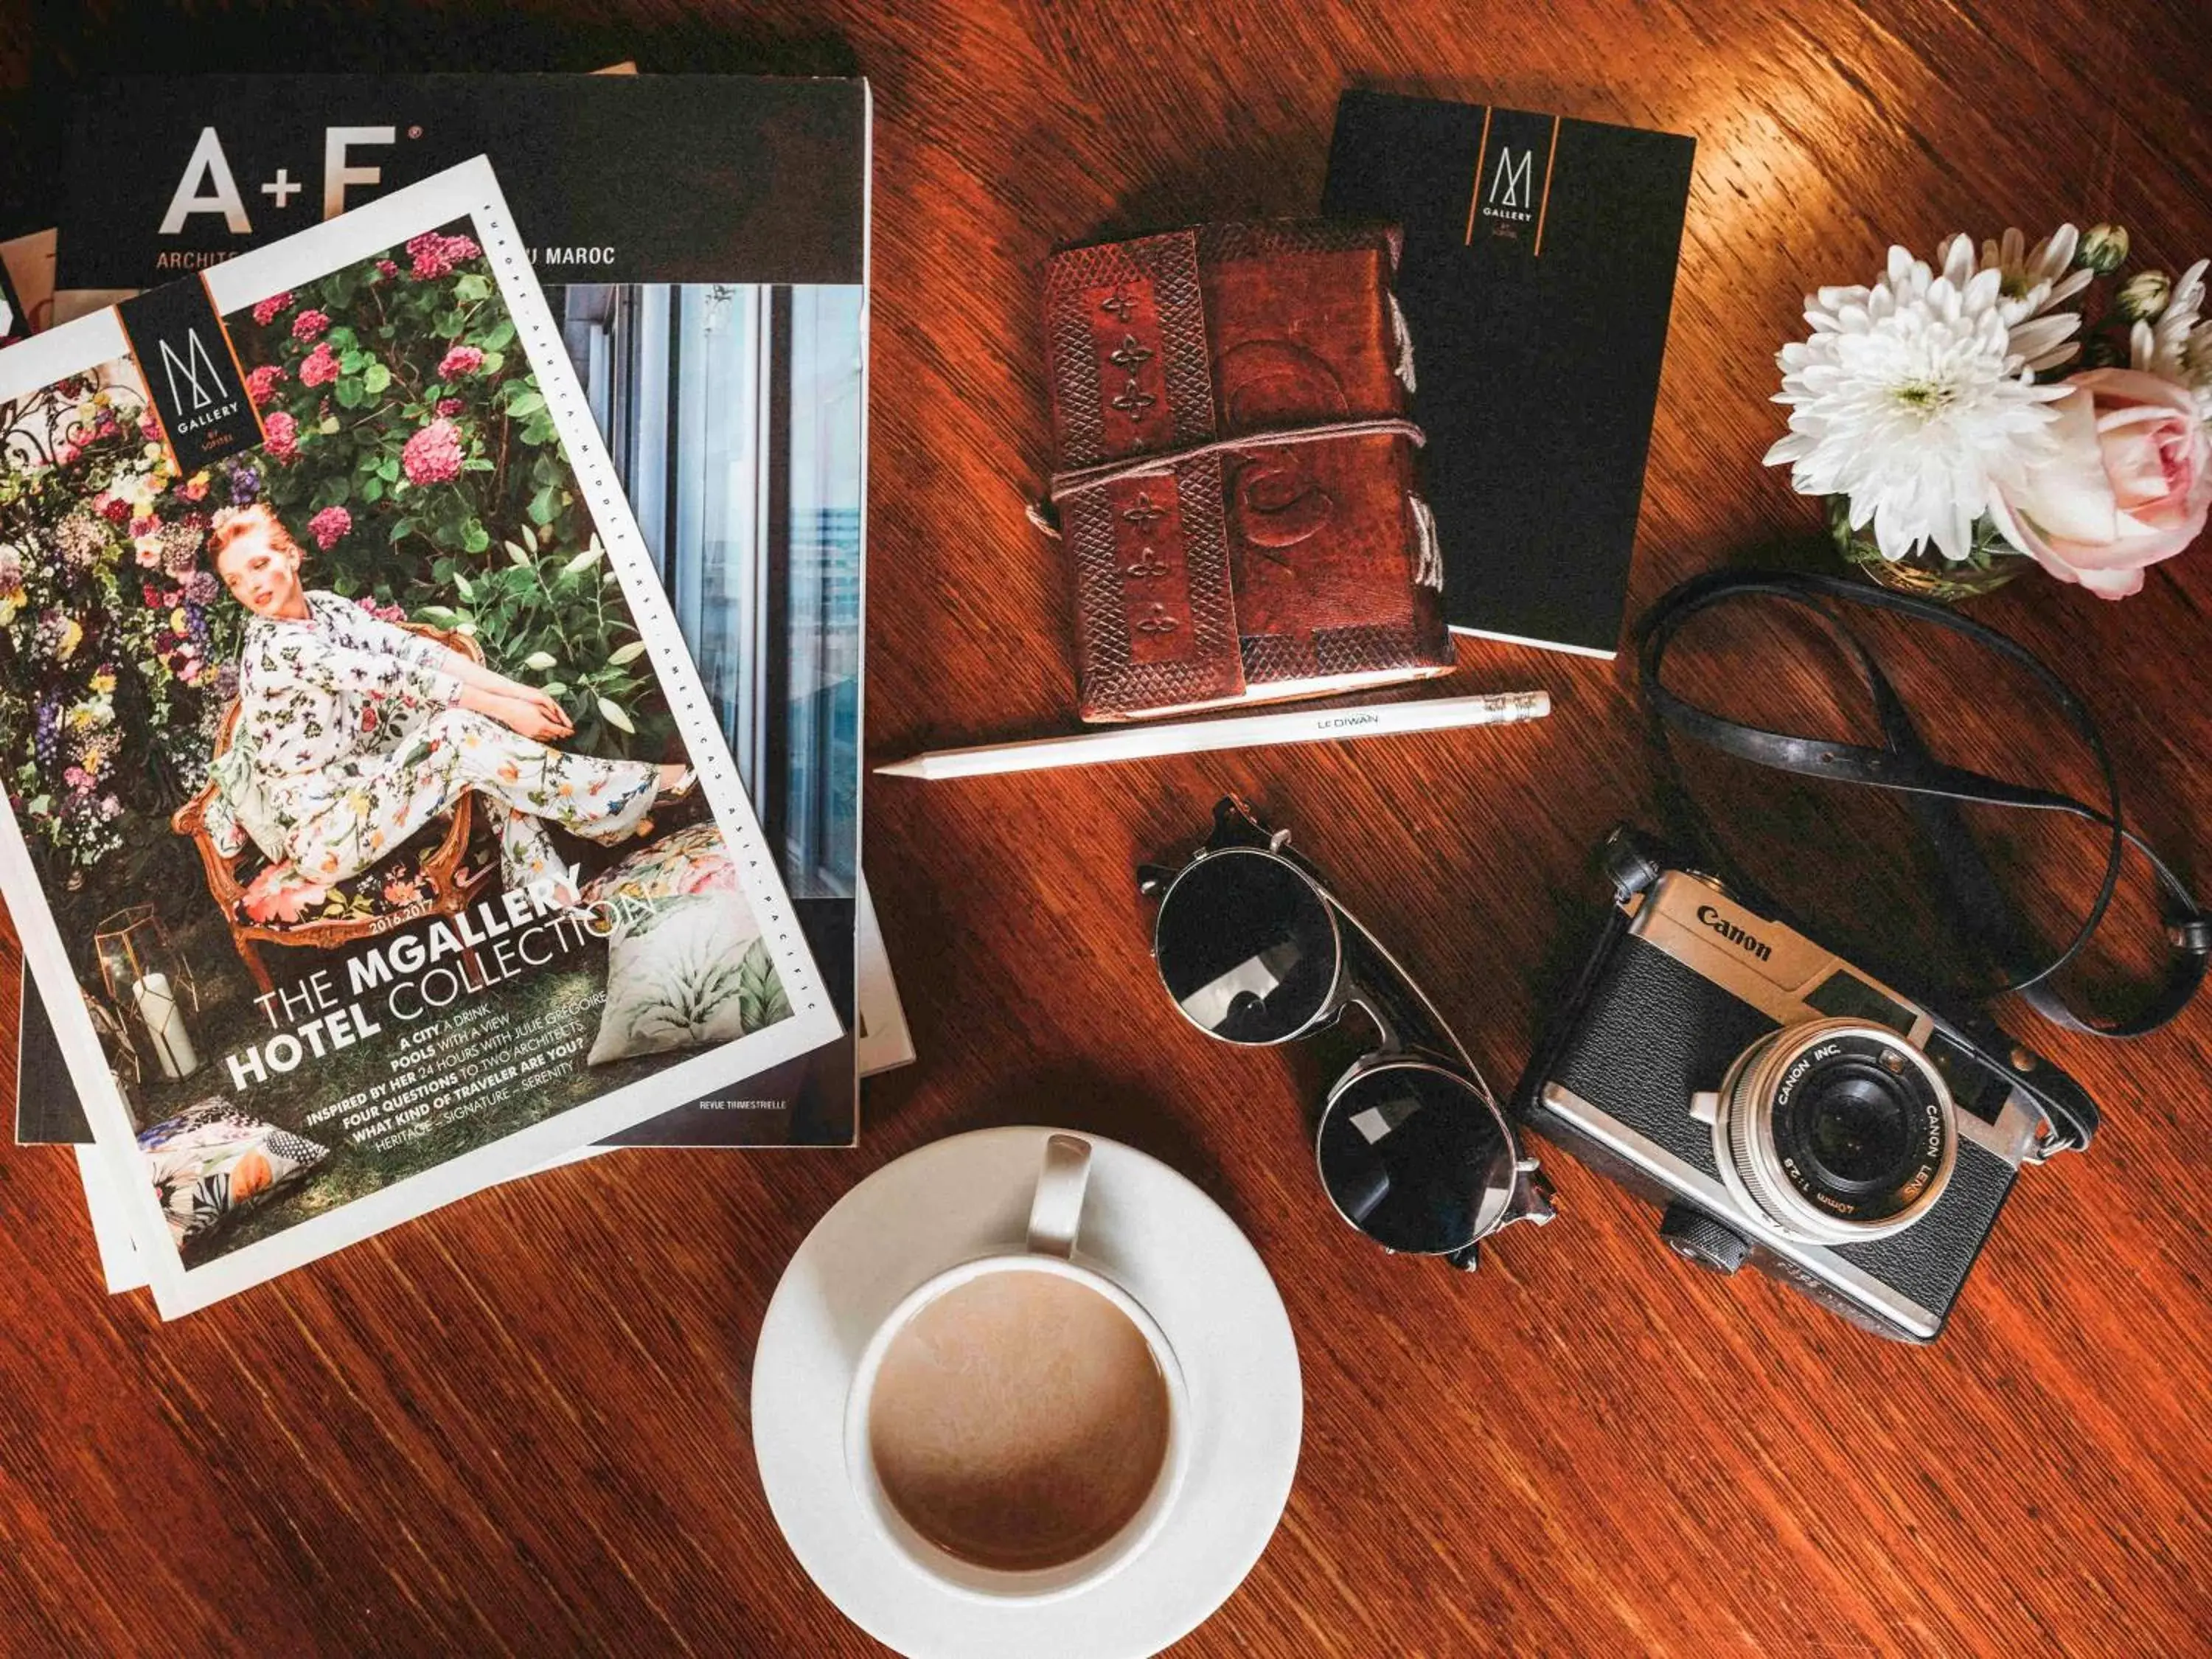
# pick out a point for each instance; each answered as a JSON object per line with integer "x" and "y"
{"x": 212, "y": 1160}
{"x": 686, "y": 966}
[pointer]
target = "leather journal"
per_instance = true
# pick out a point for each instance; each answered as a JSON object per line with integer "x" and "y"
{"x": 1237, "y": 485}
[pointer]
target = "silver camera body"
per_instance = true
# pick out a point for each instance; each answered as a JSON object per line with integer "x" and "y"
{"x": 1787, "y": 1110}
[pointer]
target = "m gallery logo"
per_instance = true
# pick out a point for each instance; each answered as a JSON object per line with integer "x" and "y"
{"x": 184, "y": 357}
{"x": 1511, "y": 191}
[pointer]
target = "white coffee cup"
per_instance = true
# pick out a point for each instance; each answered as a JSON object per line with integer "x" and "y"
{"x": 1054, "y": 1215}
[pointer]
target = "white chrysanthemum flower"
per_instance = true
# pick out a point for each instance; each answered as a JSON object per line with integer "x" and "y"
{"x": 1911, "y": 399}
{"x": 2160, "y": 347}
{"x": 2034, "y": 280}
{"x": 2196, "y": 366}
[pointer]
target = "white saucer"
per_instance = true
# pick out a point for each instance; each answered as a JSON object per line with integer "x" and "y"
{"x": 1144, "y": 1225}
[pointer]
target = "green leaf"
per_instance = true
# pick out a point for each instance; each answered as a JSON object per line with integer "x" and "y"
{"x": 353, "y": 362}
{"x": 538, "y": 430}
{"x": 500, "y": 337}
{"x": 528, "y": 401}
{"x": 461, "y": 585}
{"x": 630, "y": 653}
{"x": 554, "y": 689}
{"x": 471, "y": 287}
{"x": 539, "y": 661}
{"x": 377, "y": 378}
{"x": 444, "y": 614}
{"x": 329, "y": 423}
{"x": 761, "y": 999}
{"x": 350, "y": 394}
{"x": 583, "y": 560}
{"x": 494, "y": 360}
{"x": 474, "y": 536}
{"x": 615, "y": 717}
{"x": 372, "y": 490}
{"x": 542, "y": 509}
{"x": 402, "y": 528}
{"x": 388, "y": 469}
{"x": 529, "y": 538}
{"x": 516, "y": 555}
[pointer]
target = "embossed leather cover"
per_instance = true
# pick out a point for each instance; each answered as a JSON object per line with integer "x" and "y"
{"x": 1253, "y": 571}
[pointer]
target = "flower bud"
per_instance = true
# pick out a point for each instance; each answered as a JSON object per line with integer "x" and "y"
{"x": 2103, "y": 249}
{"x": 2142, "y": 296}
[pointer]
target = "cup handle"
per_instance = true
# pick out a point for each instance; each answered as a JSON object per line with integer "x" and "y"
{"x": 1058, "y": 1207}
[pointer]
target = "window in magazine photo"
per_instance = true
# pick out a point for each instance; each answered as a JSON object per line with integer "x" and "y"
{"x": 354, "y": 734}
{"x": 734, "y": 415}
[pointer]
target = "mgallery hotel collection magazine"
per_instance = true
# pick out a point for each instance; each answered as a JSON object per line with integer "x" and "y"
{"x": 710, "y": 290}
{"x": 373, "y": 837}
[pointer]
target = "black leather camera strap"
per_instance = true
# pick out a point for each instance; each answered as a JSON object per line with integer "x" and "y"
{"x": 1986, "y": 919}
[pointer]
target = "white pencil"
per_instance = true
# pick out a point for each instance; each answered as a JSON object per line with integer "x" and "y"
{"x": 1238, "y": 732}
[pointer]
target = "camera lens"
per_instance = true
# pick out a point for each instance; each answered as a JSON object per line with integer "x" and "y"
{"x": 1246, "y": 946}
{"x": 1855, "y": 1134}
{"x": 1837, "y": 1131}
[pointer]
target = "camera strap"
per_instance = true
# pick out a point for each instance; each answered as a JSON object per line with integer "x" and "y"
{"x": 1979, "y": 911}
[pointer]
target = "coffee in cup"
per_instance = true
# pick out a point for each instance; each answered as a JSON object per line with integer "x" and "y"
{"x": 1015, "y": 1427}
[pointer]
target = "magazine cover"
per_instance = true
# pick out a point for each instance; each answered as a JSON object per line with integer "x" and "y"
{"x": 710, "y": 286}
{"x": 372, "y": 836}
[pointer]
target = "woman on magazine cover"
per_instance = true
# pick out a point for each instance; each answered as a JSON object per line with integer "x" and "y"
{"x": 357, "y": 733}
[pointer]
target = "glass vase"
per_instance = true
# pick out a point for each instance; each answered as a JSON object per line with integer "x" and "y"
{"x": 1924, "y": 573}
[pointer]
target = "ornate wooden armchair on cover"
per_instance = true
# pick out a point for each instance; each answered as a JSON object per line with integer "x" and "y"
{"x": 430, "y": 875}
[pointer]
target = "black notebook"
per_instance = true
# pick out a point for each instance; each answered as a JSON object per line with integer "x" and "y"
{"x": 1539, "y": 271}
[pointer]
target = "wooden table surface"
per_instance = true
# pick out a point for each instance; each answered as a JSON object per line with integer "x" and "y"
{"x": 521, "y": 1425}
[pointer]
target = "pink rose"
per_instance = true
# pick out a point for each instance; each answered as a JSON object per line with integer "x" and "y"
{"x": 2131, "y": 485}
{"x": 282, "y": 435}
{"x": 319, "y": 368}
{"x": 330, "y": 526}
{"x": 432, "y": 455}
{"x": 309, "y": 323}
{"x": 461, "y": 359}
{"x": 272, "y": 307}
{"x": 261, "y": 383}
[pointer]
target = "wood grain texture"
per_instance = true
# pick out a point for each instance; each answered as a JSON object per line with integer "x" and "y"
{"x": 520, "y": 1426}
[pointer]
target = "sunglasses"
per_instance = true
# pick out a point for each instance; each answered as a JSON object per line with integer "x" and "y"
{"x": 1413, "y": 1148}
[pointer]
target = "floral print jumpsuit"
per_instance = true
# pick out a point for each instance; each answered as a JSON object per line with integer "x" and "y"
{"x": 356, "y": 742}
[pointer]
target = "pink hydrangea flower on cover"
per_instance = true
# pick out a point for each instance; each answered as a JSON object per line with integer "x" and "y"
{"x": 260, "y": 383}
{"x": 384, "y": 612}
{"x": 432, "y": 455}
{"x": 319, "y": 368}
{"x": 272, "y": 307}
{"x": 330, "y": 526}
{"x": 434, "y": 256}
{"x": 386, "y": 268}
{"x": 451, "y": 405}
{"x": 309, "y": 323}
{"x": 461, "y": 359}
{"x": 282, "y": 434}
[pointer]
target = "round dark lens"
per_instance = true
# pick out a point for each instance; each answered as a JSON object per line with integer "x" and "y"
{"x": 1857, "y": 1126}
{"x": 1410, "y": 1155}
{"x": 1246, "y": 947}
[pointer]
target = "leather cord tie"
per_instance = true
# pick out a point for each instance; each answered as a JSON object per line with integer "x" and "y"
{"x": 1082, "y": 481}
